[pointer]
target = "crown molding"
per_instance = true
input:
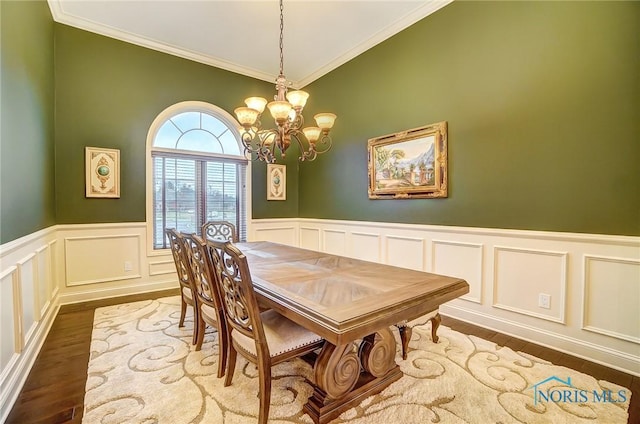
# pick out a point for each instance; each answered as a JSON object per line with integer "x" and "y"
{"x": 59, "y": 15}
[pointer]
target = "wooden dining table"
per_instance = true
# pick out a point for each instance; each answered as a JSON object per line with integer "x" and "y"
{"x": 350, "y": 303}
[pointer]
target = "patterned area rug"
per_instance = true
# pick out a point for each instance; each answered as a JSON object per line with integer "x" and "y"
{"x": 143, "y": 369}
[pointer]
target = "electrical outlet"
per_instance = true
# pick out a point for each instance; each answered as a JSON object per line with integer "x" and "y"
{"x": 544, "y": 301}
{"x": 128, "y": 266}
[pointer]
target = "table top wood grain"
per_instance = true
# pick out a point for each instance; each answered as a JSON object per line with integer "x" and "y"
{"x": 343, "y": 299}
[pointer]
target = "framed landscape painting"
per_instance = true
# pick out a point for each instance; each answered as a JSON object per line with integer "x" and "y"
{"x": 102, "y": 168}
{"x": 409, "y": 164}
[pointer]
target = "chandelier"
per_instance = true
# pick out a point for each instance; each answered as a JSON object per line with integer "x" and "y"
{"x": 286, "y": 110}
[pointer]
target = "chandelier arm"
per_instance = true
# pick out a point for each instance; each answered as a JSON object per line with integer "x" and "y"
{"x": 298, "y": 136}
{"x": 298, "y": 122}
{"x": 325, "y": 140}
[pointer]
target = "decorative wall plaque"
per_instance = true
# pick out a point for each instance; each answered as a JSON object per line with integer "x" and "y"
{"x": 102, "y": 172}
{"x": 276, "y": 182}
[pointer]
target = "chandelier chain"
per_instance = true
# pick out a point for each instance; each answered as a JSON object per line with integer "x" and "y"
{"x": 281, "y": 38}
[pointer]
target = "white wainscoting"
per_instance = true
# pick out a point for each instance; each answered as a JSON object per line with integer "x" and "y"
{"x": 109, "y": 260}
{"x": 28, "y": 306}
{"x": 61, "y": 265}
{"x": 593, "y": 280}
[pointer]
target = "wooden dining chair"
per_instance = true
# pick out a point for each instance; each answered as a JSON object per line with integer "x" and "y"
{"x": 187, "y": 291}
{"x": 220, "y": 230}
{"x": 207, "y": 292}
{"x": 263, "y": 338}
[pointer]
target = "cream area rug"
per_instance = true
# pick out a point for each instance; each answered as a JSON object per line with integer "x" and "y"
{"x": 143, "y": 370}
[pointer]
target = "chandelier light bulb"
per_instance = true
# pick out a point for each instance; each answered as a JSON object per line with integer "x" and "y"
{"x": 297, "y": 98}
{"x": 325, "y": 120}
{"x": 312, "y": 134}
{"x": 246, "y": 116}
{"x": 257, "y": 103}
{"x": 280, "y": 110}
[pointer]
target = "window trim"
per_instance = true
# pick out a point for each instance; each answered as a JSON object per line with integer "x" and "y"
{"x": 188, "y": 106}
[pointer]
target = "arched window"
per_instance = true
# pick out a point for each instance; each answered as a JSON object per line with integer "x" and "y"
{"x": 198, "y": 171}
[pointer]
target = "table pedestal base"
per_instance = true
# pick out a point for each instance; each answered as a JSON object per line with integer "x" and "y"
{"x": 322, "y": 409}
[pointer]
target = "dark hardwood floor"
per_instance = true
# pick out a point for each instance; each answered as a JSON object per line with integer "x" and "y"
{"x": 54, "y": 391}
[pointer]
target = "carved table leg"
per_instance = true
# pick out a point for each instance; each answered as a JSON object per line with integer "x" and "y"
{"x": 377, "y": 353}
{"x": 339, "y": 385}
{"x": 435, "y": 323}
{"x": 405, "y": 335}
{"x": 337, "y": 369}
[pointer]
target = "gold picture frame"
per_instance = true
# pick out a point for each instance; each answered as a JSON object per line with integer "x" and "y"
{"x": 409, "y": 164}
{"x": 102, "y": 169}
{"x": 276, "y": 182}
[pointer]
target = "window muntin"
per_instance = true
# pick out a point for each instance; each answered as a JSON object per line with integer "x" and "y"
{"x": 198, "y": 132}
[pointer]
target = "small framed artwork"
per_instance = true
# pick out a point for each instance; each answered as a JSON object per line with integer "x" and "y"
{"x": 276, "y": 182}
{"x": 410, "y": 164}
{"x": 102, "y": 169}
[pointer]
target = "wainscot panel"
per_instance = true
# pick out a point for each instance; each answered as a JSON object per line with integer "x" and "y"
{"x": 576, "y": 293}
{"x": 28, "y": 306}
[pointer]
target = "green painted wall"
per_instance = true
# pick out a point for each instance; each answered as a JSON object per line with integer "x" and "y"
{"x": 27, "y": 182}
{"x": 543, "y": 105}
{"x": 542, "y": 101}
{"x": 107, "y": 95}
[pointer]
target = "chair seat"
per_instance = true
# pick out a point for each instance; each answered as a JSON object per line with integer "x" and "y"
{"x": 186, "y": 292}
{"x": 282, "y": 334}
{"x": 208, "y": 313}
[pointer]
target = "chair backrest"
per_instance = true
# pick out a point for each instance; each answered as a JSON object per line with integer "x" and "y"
{"x": 220, "y": 231}
{"x": 236, "y": 288}
{"x": 202, "y": 271}
{"x": 179, "y": 256}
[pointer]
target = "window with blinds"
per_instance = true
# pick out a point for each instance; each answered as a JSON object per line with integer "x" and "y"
{"x": 198, "y": 176}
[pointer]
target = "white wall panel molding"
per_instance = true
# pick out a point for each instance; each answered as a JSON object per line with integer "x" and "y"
{"x": 162, "y": 267}
{"x": 611, "y": 288}
{"x": 102, "y": 258}
{"x": 43, "y": 278}
{"x": 405, "y": 252}
{"x": 521, "y": 276}
{"x": 366, "y": 246}
{"x": 458, "y": 259}
{"x": 98, "y": 260}
{"x": 28, "y": 294}
{"x": 283, "y": 231}
{"x": 310, "y": 238}
{"x": 11, "y": 313}
{"x": 334, "y": 241}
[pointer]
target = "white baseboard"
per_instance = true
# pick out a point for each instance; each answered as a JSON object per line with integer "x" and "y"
{"x": 107, "y": 293}
{"x": 572, "y": 346}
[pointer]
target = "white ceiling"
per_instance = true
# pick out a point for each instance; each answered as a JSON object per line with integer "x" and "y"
{"x": 243, "y": 36}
